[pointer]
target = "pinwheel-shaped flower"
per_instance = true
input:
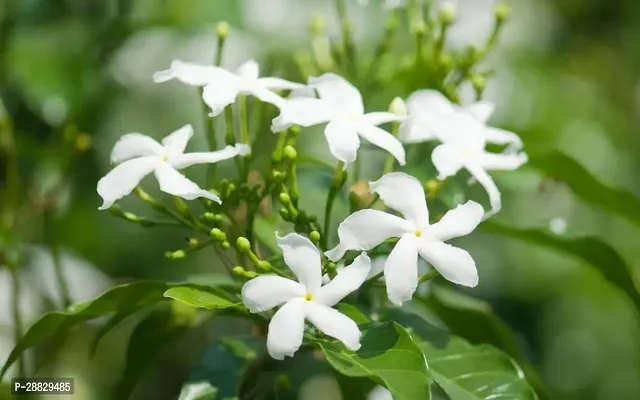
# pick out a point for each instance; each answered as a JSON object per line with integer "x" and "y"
{"x": 464, "y": 134}
{"x": 138, "y": 155}
{"x": 306, "y": 299}
{"x": 222, "y": 87}
{"x": 366, "y": 229}
{"x": 340, "y": 105}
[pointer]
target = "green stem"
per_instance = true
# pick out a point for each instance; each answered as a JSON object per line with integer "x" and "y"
{"x": 347, "y": 37}
{"x": 293, "y": 183}
{"x": 385, "y": 44}
{"x": 17, "y": 318}
{"x": 61, "y": 282}
{"x": 230, "y": 138}
{"x": 338, "y": 180}
{"x": 429, "y": 276}
{"x": 244, "y": 131}
{"x": 276, "y": 157}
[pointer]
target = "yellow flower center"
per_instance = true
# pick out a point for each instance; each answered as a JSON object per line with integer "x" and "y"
{"x": 418, "y": 233}
{"x": 308, "y": 297}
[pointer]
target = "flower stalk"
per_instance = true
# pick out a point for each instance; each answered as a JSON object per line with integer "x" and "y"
{"x": 339, "y": 177}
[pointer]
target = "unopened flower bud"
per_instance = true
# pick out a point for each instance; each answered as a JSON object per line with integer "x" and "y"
{"x": 314, "y": 236}
{"x": 222, "y": 29}
{"x": 217, "y": 234}
{"x": 398, "y": 107}
{"x": 243, "y": 244}
{"x": 479, "y": 82}
{"x": 285, "y": 199}
{"x": 225, "y": 245}
{"x": 209, "y": 216}
{"x": 175, "y": 255}
{"x": 277, "y": 176}
{"x": 284, "y": 214}
{"x": 318, "y": 25}
{"x": 193, "y": 243}
{"x": 447, "y": 13}
{"x": 250, "y": 274}
{"x": 294, "y": 130}
{"x": 238, "y": 270}
{"x": 264, "y": 265}
{"x": 290, "y": 154}
{"x": 432, "y": 186}
{"x": 359, "y": 195}
{"x": 503, "y": 12}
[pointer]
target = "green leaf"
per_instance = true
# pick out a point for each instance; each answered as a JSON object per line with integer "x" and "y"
{"x": 591, "y": 250}
{"x": 474, "y": 320}
{"x": 152, "y": 335}
{"x": 132, "y": 296}
{"x": 199, "y": 298}
{"x": 584, "y": 185}
{"x": 465, "y": 371}
{"x": 389, "y": 356}
{"x": 352, "y": 312}
{"x": 198, "y": 391}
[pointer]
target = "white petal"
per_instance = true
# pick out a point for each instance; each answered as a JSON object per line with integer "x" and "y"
{"x": 447, "y": 160}
{"x": 220, "y": 94}
{"x": 482, "y": 110}
{"x": 413, "y": 131}
{"x": 401, "y": 270}
{"x": 121, "y": 180}
{"x": 303, "y": 258}
{"x": 379, "y": 118}
{"x": 405, "y": 194}
{"x": 343, "y": 140}
{"x": 503, "y": 162}
{"x": 335, "y": 324}
{"x": 249, "y": 70}
{"x": 173, "y": 182}
{"x": 460, "y": 221}
{"x": 286, "y": 329}
{"x": 384, "y": 140}
{"x": 454, "y": 264}
{"x": 379, "y": 392}
{"x": 265, "y": 94}
{"x": 347, "y": 281}
{"x": 489, "y": 185}
{"x": 501, "y": 136}
{"x": 365, "y": 229}
{"x": 432, "y": 101}
{"x": 134, "y": 145}
{"x": 302, "y": 111}
{"x": 192, "y": 74}
{"x": 176, "y": 142}
{"x": 186, "y": 160}
{"x": 341, "y": 94}
{"x": 267, "y": 291}
{"x": 280, "y": 84}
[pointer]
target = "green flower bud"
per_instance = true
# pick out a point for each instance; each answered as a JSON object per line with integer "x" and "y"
{"x": 285, "y": 199}
{"x": 218, "y": 218}
{"x": 225, "y": 245}
{"x": 503, "y": 12}
{"x": 264, "y": 265}
{"x": 83, "y": 142}
{"x": 294, "y": 130}
{"x": 238, "y": 270}
{"x": 222, "y": 29}
{"x": 314, "y": 236}
{"x": 217, "y": 234}
{"x": 478, "y": 82}
{"x": 284, "y": 214}
{"x": 318, "y": 25}
{"x": 277, "y": 176}
{"x": 250, "y": 274}
{"x": 290, "y": 154}
{"x": 209, "y": 216}
{"x": 193, "y": 243}
{"x": 243, "y": 244}
{"x": 175, "y": 255}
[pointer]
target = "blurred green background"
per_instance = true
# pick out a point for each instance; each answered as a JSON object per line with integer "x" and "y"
{"x": 567, "y": 77}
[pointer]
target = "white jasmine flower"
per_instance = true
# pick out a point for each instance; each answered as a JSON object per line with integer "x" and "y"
{"x": 340, "y": 104}
{"x": 140, "y": 155}
{"x": 379, "y": 393}
{"x": 305, "y": 299}
{"x": 464, "y": 134}
{"x": 365, "y": 229}
{"x": 222, "y": 87}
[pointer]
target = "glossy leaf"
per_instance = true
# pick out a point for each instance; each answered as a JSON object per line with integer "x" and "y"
{"x": 561, "y": 167}
{"x": 591, "y": 250}
{"x": 199, "y": 298}
{"x": 132, "y": 296}
{"x": 352, "y": 312}
{"x": 463, "y": 370}
{"x": 389, "y": 356}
